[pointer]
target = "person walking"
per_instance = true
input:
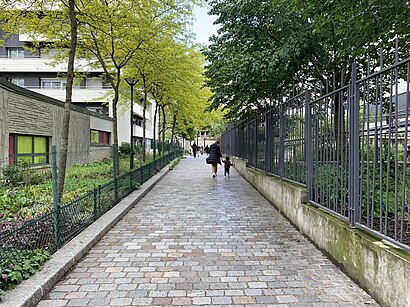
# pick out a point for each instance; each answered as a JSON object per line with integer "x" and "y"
{"x": 227, "y": 165}
{"x": 214, "y": 157}
{"x": 194, "y": 149}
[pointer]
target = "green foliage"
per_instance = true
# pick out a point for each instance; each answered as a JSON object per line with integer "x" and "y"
{"x": 24, "y": 201}
{"x": 125, "y": 149}
{"x": 20, "y": 265}
{"x": 29, "y": 198}
{"x": 174, "y": 163}
{"x": 264, "y": 48}
{"x": 22, "y": 174}
{"x": 377, "y": 181}
{"x": 379, "y": 175}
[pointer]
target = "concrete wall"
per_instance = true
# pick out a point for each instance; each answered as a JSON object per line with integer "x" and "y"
{"x": 380, "y": 268}
{"x": 4, "y": 124}
{"x": 25, "y": 112}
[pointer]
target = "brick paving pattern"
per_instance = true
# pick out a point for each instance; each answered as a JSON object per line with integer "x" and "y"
{"x": 199, "y": 241}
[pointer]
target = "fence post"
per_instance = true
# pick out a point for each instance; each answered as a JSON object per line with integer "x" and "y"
{"x": 256, "y": 142}
{"x": 131, "y": 171}
{"x": 56, "y": 206}
{"x": 281, "y": 139}
{"x": 308, "y": 146}
{"x": 354, "y": 166}
{"x": 114, "y": 168}
{"x": 266, "y": 135}
{"x": 95, "y": 204}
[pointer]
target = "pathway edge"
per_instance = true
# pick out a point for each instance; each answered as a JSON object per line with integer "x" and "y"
{"x": 31, "y": 291}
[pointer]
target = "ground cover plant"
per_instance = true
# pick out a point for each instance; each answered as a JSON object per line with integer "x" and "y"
{"x": 20, "y": 265}
{"x": 31, "y": 230}
{"x": 26, "y": 193}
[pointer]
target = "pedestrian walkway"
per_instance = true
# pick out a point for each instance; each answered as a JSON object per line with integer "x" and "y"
{"x": 194, "y": 240}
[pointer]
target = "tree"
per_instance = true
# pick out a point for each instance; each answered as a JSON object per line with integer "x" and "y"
{"x": 37, "y": 19}
{"x": 112, "y": 32}
{"x": 265, "y": 47}
{"x": 171, "y": 73}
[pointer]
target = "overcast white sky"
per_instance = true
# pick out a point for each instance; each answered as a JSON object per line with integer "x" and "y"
{"x": 203, "y": 27}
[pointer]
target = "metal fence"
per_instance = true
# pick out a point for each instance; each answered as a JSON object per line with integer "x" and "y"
{"x": 48, "y": 231}
{"x": 348, "y": 147}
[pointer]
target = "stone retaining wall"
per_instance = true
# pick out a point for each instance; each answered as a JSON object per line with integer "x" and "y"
{"x": 380, "y": 268}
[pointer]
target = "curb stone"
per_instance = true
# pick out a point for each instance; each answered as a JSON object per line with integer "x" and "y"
{"x": 31, "y": 291}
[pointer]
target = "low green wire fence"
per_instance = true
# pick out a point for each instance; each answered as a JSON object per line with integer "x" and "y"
{"x": 45, "y": 234}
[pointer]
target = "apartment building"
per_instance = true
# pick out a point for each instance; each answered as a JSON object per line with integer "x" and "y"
{"x": 34, "y": 71}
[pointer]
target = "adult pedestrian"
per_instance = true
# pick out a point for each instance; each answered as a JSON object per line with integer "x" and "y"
{"x": 214, "y": 157}
{"x": 206, "y": 149}
{"x": 194, "y": 149}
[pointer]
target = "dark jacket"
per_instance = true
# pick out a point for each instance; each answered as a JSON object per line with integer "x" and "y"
{"x": 214, "y": 154}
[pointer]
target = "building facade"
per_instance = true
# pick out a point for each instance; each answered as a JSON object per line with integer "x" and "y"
{"x": 30, "y": 123}
{"x": 35, "y": 71}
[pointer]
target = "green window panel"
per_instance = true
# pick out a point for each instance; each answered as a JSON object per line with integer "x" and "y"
{"x": 94, "y": 137}
{"x": 24, "y": 144}
{"x": 30, "y": 150}
{"x": 40, "y": 147}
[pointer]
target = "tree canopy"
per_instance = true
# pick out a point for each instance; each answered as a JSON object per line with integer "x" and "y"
{"x": 265, "y": 47}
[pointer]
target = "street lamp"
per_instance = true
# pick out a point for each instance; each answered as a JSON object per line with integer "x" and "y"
{"x": 131, "y": 82}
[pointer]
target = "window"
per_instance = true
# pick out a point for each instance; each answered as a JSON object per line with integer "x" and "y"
{"x": 52, "y": 84}
{"x": 15, "y": 53}
{"x": 17, "y": 81}
{"x": 100, "y": 137}
{"x": 28, "y": 149}
{"x": 138, "y": 120}
{"x": 99, "y": 110}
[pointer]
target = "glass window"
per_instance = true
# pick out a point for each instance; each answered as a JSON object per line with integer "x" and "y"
{"x": 94, "y": 137}
{"x": 40, "y": 147}
{"x": 29, "y": 149}
{"x": 100, "y": 137}
{"x": 24, "y": 144}
{"x": 15, "y": 53}
{"x": 19, "y": 82}
{"x": 52, "y": 84}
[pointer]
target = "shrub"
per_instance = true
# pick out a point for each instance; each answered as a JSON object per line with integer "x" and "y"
{"x": 20, "y": 265}
{"x": 125, "y": 149}
{"x": 15, "y": 175}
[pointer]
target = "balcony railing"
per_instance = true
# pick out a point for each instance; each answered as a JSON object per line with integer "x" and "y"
{"x": 81, "y": 87}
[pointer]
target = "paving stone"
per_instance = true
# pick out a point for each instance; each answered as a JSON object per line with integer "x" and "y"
{"x": 52, "y": 303}
{"x": 194, "y": 240}
{"x": 121, "y": 301}
{"x": 181, "y": 301}
{"x": 201, "y": 301}
{"x": 78, "y": 302}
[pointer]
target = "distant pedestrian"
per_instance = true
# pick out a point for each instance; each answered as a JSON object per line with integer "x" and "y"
{"x": 214, "y": 157}
{"x": 194, "y": 149}
{"x": 206, "y": 149}
{"x": 227, "y": 165}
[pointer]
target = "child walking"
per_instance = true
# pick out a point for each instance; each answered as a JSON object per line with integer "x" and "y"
{"x": 227, "y": 165}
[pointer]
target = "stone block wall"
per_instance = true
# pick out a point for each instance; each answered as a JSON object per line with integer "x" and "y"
{"x": 379, "y": 267}
{"x": 26, "y": 112}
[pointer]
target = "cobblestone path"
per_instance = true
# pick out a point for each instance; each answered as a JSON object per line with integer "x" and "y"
{"x": 199, "y": 241}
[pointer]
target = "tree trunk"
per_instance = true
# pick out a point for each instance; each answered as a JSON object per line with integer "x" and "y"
{"x": 62, "y": 162}
{"x": 144, "y": 124}
{"x": 115, "y": 132}
{"x": 174, "y": 123}
{"x": 163, "y": 127}
{"x": 155, "y": 131}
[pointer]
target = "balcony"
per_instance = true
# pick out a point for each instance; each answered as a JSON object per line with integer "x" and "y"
{"x": 39, "y": 64}
{"x": 80, "y": 94}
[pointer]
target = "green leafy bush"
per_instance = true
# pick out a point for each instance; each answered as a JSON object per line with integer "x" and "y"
{"x": 20, "y": 265}
{"x": 125, "y": 149}
{"x": 15, "y": 175}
